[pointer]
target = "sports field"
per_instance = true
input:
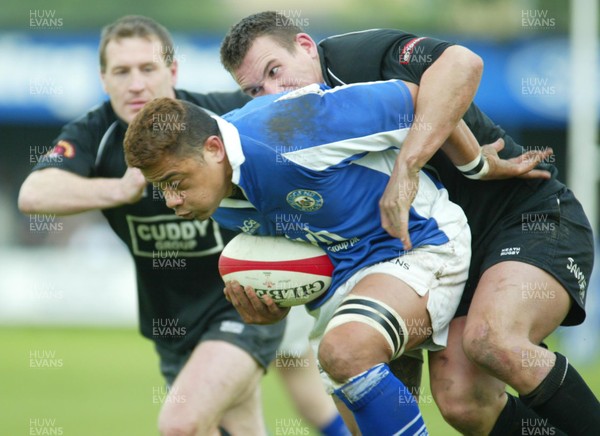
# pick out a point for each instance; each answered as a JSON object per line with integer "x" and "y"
{"x": 100, "y": 382}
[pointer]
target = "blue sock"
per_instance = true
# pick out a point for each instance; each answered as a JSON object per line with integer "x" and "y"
{"x": 336, "y": 427}
{"x": 381, "y": 404}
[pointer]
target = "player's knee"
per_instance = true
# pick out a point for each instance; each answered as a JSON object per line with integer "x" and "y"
{"x": 176, "y": 428}
{"x": 459, "y": 408}
{"x": 340, "y": 358}
{"x": 174, "y": 421}
{"x": 362, "y": 333}
{"x": 487, "y": 347}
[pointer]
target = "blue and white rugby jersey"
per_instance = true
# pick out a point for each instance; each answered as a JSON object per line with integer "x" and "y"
{"x": 315, "y": 162}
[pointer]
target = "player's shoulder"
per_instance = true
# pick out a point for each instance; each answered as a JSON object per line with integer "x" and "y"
{"x": 370, "y": 36}
{"x": 217, "y": 102}
{"x": 192, "y": 97}
{"x": 99, "y": 112}
{"x": 98, "y": 118}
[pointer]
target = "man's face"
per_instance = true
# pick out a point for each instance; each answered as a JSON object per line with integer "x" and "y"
{"x": 270, "y": 68}
{"x": 192, "y": 186}
{"x": 135, "y": 74}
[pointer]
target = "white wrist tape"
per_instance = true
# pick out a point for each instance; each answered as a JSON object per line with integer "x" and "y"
{"x": 476, "y": 169}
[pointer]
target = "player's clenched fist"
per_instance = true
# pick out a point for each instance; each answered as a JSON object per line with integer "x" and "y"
{"x": 133, "y": 184}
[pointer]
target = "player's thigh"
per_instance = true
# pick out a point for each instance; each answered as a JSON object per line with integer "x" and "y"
{"x": 367, "y": 328}
{"x": 402, "y": 298}
{"x": 516, "y": 298}
{"x": 217, "y": 376}
{"x": 535, "y": 269}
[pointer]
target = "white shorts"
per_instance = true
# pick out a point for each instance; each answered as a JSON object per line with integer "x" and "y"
{"x": 297, "y": 328}
{"x": 440, "y": 270}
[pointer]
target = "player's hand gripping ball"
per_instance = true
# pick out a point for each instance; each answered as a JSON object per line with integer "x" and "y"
{"x": 291, "y": 272}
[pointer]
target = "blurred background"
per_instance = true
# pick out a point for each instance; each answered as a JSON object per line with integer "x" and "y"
{"x": 67, "y": 287}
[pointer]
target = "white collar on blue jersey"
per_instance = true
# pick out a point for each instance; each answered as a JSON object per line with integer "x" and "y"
{"x": 233, "y": 146}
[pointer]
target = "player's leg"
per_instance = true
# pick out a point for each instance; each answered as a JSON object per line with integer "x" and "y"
{"x": 353, "y": 347}
{"x": 504, "y": 328}
{"x": 217, "y": 378}
{"x": 296, "y": 365}
{"x": 220, "y": 380}
{"x": 355, "y": 354}
{"x": 303, "y": 384}
{"x": 347, "y": 416}
{"x": 535, "y": 279}
{"x": 381, "y": 318}
{"x": 470, "y": 399}
{"x": 408, "y": 368}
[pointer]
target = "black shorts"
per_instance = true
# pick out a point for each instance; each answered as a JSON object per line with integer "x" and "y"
{"x": 553, "y": 234}
{"x": 259, "y": 341}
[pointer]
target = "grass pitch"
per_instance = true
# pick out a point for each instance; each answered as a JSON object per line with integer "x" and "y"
{"x": 98, "y": 382}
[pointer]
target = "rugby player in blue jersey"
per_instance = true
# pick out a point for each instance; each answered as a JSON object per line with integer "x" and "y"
{"x": 532, "y": 245}
{"x": 324, "y": 156}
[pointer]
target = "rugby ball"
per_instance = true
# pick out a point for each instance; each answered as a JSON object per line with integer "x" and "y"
{"x": 291, "y": 272}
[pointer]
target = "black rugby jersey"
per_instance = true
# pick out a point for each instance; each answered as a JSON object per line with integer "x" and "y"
{"x": 383, "y": 54}
{"x": 175, "y": 260}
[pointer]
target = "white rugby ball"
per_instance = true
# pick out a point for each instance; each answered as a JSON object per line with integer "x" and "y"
{"x": 291, "y": 272}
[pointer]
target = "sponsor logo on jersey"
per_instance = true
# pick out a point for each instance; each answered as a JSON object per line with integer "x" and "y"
{"x": 511, "y": 251}
{"x": 343, "y": 245}
{"x": 169, "y": 233}
{"x": 579, "y": 275}
{"x": 249, "y": 226}
{"x": 408, "y": 49}
{"x": 62, "y": 148}
{"x": 305, "y": 200}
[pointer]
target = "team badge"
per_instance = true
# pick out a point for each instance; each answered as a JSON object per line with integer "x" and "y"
{"x": 305, "y": 200}
{"x": 62, "y": 148}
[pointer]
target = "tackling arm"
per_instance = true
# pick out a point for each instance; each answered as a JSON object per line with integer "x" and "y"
{"x": 52, "y": 190}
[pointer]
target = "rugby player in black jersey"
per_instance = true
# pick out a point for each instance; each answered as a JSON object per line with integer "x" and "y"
{"x": 528, "y": 233}
{"x": 211, "y": 360}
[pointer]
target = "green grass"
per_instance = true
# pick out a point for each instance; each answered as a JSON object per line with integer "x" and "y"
{"x": 103, "y": 382}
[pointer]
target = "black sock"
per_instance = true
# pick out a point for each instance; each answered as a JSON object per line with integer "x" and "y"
{"x": 565, "y": 400}
{"x": 223, "y": 432}
{"x": 516, "y": 420}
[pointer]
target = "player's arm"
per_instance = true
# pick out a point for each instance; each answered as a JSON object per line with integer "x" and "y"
{"x": 484, "y": 163}
{"x": 446, "y": 90}
{"x": 57, "y": 191}
{"x": 447, "y": 87}
{"x": 63, "y": 182}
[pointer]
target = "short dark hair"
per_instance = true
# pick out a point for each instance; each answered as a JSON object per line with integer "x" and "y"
{"x": 164, "y": 128}
{"x": 240, "y": 37}
{"x": 136, "y": 26}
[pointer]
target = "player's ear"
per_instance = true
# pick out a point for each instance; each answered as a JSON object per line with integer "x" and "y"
{"x": 307, "y": 44}
{"x": 174, "y": 69}
{"x": 214, "y": 149}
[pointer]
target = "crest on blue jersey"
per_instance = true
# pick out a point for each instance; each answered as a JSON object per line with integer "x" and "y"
{"x": 305, "y": 200}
